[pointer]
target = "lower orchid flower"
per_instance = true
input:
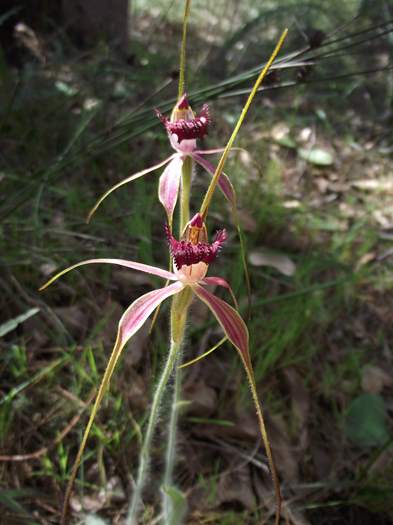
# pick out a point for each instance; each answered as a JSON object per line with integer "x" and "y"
{"x": 192, "y": 256}
{"x": 183, "y": 128}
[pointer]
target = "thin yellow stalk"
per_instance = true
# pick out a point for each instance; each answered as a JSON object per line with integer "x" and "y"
{"x": 220, "y": 166}
{"x": 116, "y": 352}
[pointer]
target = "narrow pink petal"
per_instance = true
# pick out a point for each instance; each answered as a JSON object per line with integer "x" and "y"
{"x": 169, "y": 185}
{"x": 136, "y": 314}
{"x": 126, "y": 181}
{"x": 224, "y": 183}
{"x": 120, "y": 262}
{"x": 219, "y": 281}
{"x": 231, "y": 322}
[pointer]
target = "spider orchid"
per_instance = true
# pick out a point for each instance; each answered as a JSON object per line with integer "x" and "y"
{"x": 192, "y": 256}
{"x": 184, "y": 129}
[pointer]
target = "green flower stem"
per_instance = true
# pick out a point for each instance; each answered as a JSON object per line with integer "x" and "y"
{"x": 179, "y": 313}
{"x": 182, "y": 66}
{"x": 170, "y": 455}
{"x": 178, "y": 319}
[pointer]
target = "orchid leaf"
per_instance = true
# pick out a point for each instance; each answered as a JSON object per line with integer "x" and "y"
{"x": 126, "y": 181}
{"x": 177, "y": 504}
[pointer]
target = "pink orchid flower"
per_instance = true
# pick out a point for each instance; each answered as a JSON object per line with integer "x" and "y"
{"x": 192, "y": 256}
{"x": 183, "y": 128}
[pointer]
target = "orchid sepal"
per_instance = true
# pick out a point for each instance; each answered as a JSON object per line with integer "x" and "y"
{"x": 126, "y": 181}
{"x": 146, "y": 268}
{"x": 236, "y": 331}
{"x": 224, "y": 183}
{"x": 219, "y": 281}
{"x": 168, "y": 187}
{"x": 233, "y": 325}
{"x": 131, "y": 321}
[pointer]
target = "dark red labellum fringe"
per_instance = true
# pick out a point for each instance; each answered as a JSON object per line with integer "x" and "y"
{"x": 195, "y": 128}
{"x": 186, "y": 253}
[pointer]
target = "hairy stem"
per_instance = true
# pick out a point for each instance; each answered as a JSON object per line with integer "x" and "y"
{"x": 179, "y": 313}
{"x": 145, "y": 454}
{"x": 170, "y": 456}
{"x": 178, "y": 321}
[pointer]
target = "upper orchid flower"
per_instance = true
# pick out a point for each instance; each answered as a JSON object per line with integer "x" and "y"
{"x": 184, "y": 129}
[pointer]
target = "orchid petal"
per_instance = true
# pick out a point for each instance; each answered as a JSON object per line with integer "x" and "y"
{"x": 126, "y": 181}
{"x": 229, "y": 192}
{"x": 236, "y": 331}
{"x": 231, "y": 322}
{"x": 136, "y": 314}
{"x": 224, "y": 183}
{"x": 205, "y": 354}
{"x": 132, "y": 320}
{"x": 120, "y": 262}
{"x": 168, "y": 188}
{"x": 219, "y": 281}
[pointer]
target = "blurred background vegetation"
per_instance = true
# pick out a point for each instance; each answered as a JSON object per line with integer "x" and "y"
{"x": 315, "y": 188}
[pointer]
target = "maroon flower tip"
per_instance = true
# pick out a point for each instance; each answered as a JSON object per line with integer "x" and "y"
{"x": 185, "y": 253}
{"x": 196, "y": 221}
{"x": 159, "y": 115}
{"x": 183, "y": 102}
{"x": 221, "y": 237}
{"x": 195, "y": 128}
